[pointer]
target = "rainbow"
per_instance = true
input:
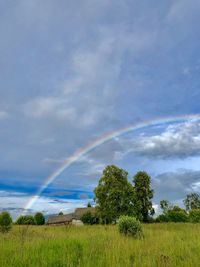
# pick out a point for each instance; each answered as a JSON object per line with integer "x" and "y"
{"x": 102, "y": 140}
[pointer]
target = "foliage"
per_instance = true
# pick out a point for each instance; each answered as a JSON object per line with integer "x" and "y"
{"x": 25, "y": 220}
{"x": 177, "y": 215}
{"x": 114, "y": 195}
{"x": 194, "y": 215}
{"x": 60, "y": 213}
{"x": 39, "y": 218}
{"x": 143, "y": 195}
{"x": 130, "y": 226}
{"x": 162, "y": 218}
{"x": 89, "y": 218}
{"x": 5, "y": 222}
{"x": 89, "y": 205}
{"x": 165, "y": 205}
{"x": 192, "y": 201}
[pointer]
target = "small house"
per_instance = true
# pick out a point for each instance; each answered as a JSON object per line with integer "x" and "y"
{"x": 60, "y": 219}
{"x": 72, "y": 218}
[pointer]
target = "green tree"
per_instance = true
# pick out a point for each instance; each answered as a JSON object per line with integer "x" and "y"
{"x": 60, "y": 213}
{"x": 143, "y": 195}
{"x": 39, "y": 218}
{"x": 165, "y": 205}
{"x": 192, "y": 201}
{"x": 114, "y": 195}
{"x": 89, "y": 205}
{"x": 25, "y": 220}
{"x": 89, "y": 218}
{"x": 194, "y": 215}
{"x": 5, "y": 222}
{"x": 176, "y": 214}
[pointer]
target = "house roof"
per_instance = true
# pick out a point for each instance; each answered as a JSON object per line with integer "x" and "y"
{"x": 59, "y": 219}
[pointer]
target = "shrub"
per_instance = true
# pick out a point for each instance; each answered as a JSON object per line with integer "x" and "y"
{"x": 130, "y": 226}
{"x": 162, "y": 218}
{"x": 39, "y": 218}
{"x": 89, "y": 218}
{"x": 25, "y": 220}
{"x": 194, "y": 216}
{"x": 5, "y": 222}
{"x": 177, "y": 216}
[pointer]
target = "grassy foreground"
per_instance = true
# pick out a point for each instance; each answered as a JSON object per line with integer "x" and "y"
{"x": 163, "y": 245}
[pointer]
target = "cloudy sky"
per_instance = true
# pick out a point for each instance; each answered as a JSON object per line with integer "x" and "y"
{"x": 73, "y": 71}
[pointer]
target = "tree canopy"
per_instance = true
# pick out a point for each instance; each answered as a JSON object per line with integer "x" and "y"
{"x": 143, "y": 195}
{"x": 192, "y": 201}
{"x": 114, "y": 195}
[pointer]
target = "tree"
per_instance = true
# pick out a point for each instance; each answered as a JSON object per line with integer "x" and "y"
{"x": 89, "y": 205}
{"x": 89, "y": 218}
{"x": 60, "y": 213}
{"x": 194, "y": 215}
{"x": 176, "y": 214}
{"x": 192, "y": 201}
{"x": 143, "y": 195}
{"x": 164, "y": 205}
{"x": 25, "y": 220}
{"x": 39, "y": 218}
{"x": 114, "y": 194}
{"x": 5, "y": 222}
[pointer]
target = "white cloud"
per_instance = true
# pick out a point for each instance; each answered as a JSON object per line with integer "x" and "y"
{"x": 15, "y": 202}
{"x": 181, "y": 140}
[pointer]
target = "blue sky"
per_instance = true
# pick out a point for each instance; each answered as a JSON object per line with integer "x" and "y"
{"x": 71, "y": 71}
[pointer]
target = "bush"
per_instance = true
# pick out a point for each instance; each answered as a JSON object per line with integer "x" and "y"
{"x": 194, "y": 216}
{"x": 89, "y": 218}
{"x": 5, "y": 222}
{"x": 130, "y": 226}
{"x": 162, "y": 218}
{"x": 25, "y": 220}
{"x": 39, "y": 218}
{"x": 177, "y": 216}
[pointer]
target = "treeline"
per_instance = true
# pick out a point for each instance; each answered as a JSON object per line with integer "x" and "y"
{"x": 171, "y": 213}
{"x": 115, "y": 196}
{"x": 6, "y": 221}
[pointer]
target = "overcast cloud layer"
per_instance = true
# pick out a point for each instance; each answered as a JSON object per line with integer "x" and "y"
{"x": 72, "y": 71}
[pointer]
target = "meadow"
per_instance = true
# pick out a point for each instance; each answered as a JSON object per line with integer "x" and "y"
{"x": 169, "y": 244}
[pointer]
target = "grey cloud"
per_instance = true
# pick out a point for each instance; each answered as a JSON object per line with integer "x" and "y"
{"x": 175, "y": 185}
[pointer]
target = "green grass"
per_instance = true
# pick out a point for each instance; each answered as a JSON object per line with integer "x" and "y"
{"x": 95, "y": 246}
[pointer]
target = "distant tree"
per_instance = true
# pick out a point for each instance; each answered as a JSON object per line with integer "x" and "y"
{"x": 192, "y": 201}
{"x": 25, "y": 220}
{"x": 164, "y": 205}
{"x": 143, "y": 195}
{"x": 5, "y": 222}
{"x": 89, "y": 218}
{"x": 114, "y": 195}
{"x": 194, "y": 215}
{"x": 39, "y": 218}
{"x": 89, "y": 205}
{"x": 176, "y": 214}
{"x": 60, "y": 213}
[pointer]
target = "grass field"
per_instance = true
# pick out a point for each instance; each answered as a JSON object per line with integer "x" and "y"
{"x": 163, "y": 245}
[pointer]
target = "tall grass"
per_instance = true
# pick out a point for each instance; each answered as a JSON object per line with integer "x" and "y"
{"x": 100, "y": 246}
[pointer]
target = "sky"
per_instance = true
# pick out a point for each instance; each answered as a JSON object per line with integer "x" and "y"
{"x": 74, "y": 71}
